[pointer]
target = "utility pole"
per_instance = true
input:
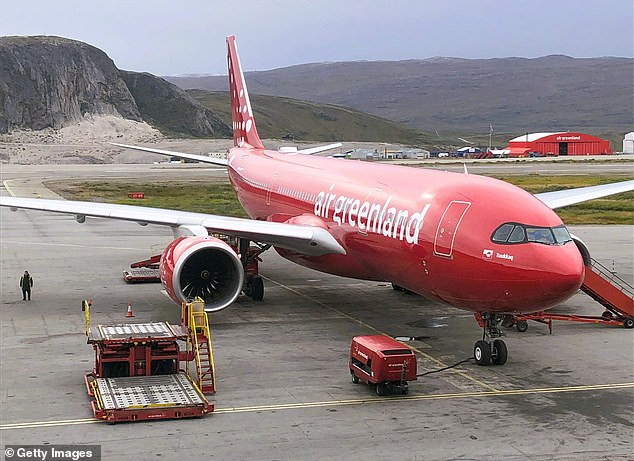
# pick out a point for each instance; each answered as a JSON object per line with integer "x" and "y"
{"x": 490, "y": 134}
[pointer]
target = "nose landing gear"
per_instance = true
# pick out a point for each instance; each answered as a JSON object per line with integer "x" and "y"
{"x": 489, "y": 350}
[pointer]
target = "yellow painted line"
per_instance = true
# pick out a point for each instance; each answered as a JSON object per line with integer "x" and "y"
{"x": 461, "y": 395}
{"x": 350, "y": 402}
{"x": 37, "y": 424}
{"x": 9, "y": 190}
{"x": 361, "y": 322}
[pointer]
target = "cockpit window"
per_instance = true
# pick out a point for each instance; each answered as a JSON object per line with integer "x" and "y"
{"x": 540, "y": 235}
{"x": 515, "y": 233}
{"x": 502, "y": 233}
{"x": 561, "y": 234}
{"x": 517, "y": 236}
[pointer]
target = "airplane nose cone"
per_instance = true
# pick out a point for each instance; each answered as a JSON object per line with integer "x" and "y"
{"x": 566, "y": 273}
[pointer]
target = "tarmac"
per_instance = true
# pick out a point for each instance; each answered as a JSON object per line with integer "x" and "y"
{"x": 284, "y": 390}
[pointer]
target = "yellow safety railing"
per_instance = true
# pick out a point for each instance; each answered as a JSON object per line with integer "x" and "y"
{"x": 96, "y": 394}
{"x": 85, "y": 306}
{"x": 195, "y": 318}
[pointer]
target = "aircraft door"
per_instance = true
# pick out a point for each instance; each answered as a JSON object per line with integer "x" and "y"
{"x": 448, "y": 228}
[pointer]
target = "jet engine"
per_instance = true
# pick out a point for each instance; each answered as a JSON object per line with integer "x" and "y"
{"x": 202, "y": 266}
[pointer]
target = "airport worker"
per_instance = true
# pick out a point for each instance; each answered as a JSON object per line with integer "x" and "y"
{"x": 26, "y": 283}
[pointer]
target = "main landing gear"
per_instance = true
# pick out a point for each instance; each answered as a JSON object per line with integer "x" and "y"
{"x": 489, "y": 350}
{"x": 250, "y": 257}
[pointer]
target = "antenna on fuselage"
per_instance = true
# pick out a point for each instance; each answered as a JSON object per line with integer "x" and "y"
{"x": 465, "y": 169}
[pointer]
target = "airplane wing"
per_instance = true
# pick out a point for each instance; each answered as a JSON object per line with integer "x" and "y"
{"x": 198, "y": 158}
{"x": 308, "y": 240}
{"x": 567, "y": 197}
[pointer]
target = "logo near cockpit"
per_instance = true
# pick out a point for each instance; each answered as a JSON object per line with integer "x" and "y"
{"x": 488, "y": 254}
{"x": 374, "y": 217}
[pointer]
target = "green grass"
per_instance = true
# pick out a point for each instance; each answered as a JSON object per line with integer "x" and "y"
{"x": 186, "y": 196}
{"x": 615, "y": 209}
{"x": 213, "y": 198}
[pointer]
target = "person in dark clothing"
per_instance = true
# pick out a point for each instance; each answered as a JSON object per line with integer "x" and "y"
{"x": 26, "y": 283}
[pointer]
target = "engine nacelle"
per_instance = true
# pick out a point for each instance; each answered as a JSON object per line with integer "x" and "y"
{"x": 202, "y": 266}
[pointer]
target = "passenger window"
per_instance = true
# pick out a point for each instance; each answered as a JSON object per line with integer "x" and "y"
{"x": 518, "y": 235}
{"x": 502, "y": 233}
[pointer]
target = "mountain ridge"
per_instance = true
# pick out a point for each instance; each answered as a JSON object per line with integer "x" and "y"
{"x": 514, "y": 94}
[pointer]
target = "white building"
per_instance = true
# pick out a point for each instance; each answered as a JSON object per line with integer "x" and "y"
{"x": 628, "y": 143}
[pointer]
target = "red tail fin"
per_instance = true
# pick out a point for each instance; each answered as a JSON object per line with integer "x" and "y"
{"x": 244, "y": 132}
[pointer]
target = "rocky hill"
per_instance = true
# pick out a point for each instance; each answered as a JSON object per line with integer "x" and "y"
{"x": 53, "y": 82}
{"x": 166, "y": 106}
{"x": 513, "y": 94}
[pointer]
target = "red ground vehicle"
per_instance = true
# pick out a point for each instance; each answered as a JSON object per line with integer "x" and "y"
{"x": 381, "y": 360}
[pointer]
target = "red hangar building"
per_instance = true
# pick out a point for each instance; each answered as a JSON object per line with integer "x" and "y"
{"x": 554, "y": 144}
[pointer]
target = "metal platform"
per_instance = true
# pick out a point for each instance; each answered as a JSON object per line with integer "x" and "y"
{"x": 141, "y": 275}
{"x": 146, "y": 391}
{"x": 127, "y": 331}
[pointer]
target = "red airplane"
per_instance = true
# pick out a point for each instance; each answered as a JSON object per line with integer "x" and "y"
{"x": 470, "y": 241}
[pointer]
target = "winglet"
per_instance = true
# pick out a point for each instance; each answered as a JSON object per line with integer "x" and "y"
{"x": 244, "y": 132}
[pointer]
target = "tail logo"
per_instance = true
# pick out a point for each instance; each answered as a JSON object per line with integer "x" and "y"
{"x": 245, "y": 133}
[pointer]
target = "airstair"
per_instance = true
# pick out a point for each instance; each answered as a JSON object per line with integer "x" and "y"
{"x": 198, "y": 345}
{"x": 605, "y": 287}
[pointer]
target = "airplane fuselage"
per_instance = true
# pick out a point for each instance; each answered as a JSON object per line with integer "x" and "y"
{"x": 427, "y": 231}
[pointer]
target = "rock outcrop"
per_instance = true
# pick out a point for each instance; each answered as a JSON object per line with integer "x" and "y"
{"x": 171, "y": 109}
{"x": 53, "y": 82}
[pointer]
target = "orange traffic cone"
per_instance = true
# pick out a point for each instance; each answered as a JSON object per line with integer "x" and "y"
{"x": 129, "y": 313}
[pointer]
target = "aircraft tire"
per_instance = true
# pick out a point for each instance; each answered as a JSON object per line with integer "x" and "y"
{"x": 482, "y": 353}
{"x": 257, "y": 288}
{"x": 500, "y": 352}
{"x": 380, "y": 389}
{"x": 521, "y": 325}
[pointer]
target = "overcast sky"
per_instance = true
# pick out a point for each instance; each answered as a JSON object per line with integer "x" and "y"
{"x": 168, "y": 37}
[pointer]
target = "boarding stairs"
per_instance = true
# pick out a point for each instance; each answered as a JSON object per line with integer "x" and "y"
{"x": 605, "y": 287}
{"x": 199, "y": 345}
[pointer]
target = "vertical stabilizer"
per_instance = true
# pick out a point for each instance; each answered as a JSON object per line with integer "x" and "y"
{"x": 244, "y": 132}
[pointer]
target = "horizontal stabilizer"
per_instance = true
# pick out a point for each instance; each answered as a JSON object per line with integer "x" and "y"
{"x": 198, "y": 158}
{"x": 315, "y": 150}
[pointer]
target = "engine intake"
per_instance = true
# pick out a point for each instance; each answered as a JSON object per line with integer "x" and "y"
{"x": 202, "y": 266}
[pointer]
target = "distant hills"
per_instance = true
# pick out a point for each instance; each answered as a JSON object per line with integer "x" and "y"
{"x": 515, "y": 95}
{"x": 304, "y": 121}
{"x": 55, "y": 82}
